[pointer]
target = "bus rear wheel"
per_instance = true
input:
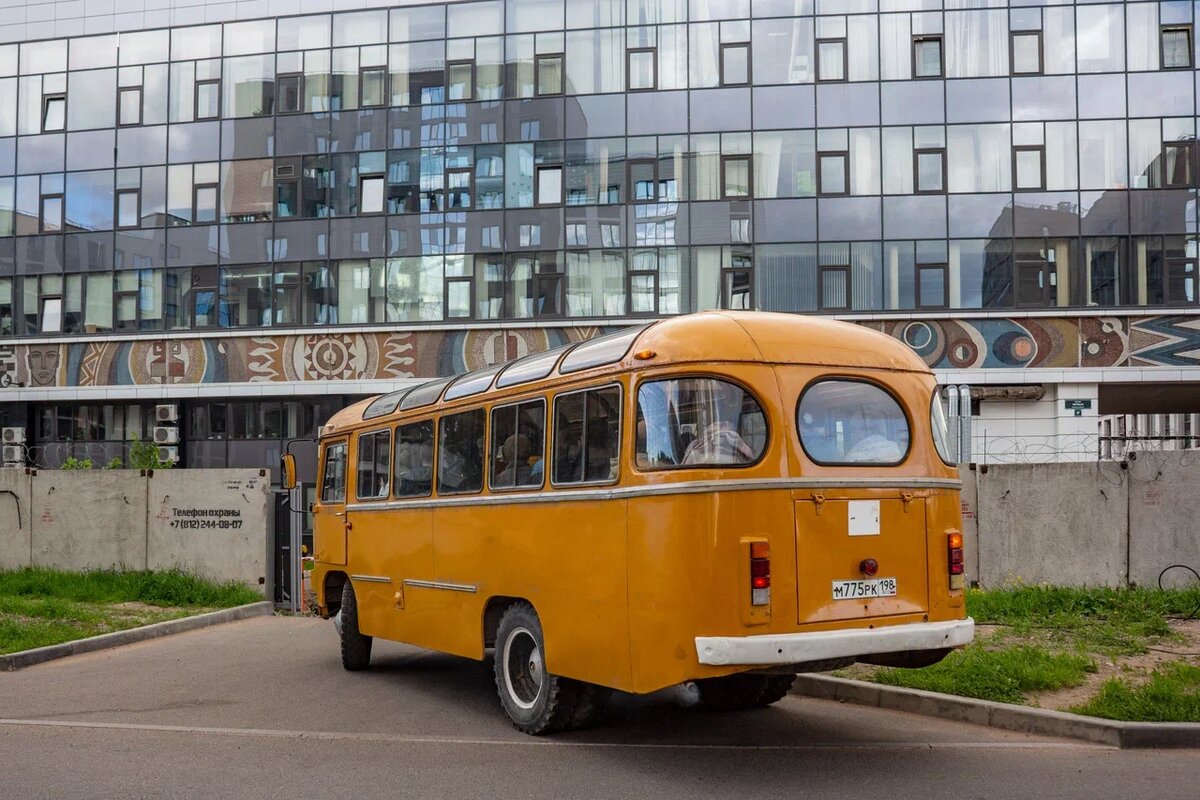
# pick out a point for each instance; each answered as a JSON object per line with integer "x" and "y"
{"x": 356, "y": 648}
{"x": 536, "y": 701}
{"x": 777, "y": 688}
{"x": 732, "y": 692}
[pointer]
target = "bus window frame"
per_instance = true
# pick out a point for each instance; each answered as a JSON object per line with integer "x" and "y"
{"x": 344, "y": 443}
{"x": 545, "y": 443}
{"x": 684, "y": 376}
{"x": 400, "y": 498}
{"x": 437, "y": 451}
{"x": 621, "y": 401}
{"x": 358, "y": 435}
{"x": 904, "y": 410}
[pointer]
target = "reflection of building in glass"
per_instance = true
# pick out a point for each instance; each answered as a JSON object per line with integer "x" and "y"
{"x": 395, "y": 193}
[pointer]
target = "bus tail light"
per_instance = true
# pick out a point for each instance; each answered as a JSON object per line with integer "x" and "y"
{"x": 760, "y": 573}
{"x": 954, "y": 553}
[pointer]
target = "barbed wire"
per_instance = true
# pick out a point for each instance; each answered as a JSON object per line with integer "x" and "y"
{"x": 53, "y": 455}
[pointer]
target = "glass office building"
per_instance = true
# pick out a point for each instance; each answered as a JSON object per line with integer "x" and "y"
{"x": 257, "y": 215}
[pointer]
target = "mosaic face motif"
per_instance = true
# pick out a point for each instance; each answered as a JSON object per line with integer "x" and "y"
{"x": 42, "y": 363}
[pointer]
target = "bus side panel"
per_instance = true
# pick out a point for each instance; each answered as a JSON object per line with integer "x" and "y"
{"x": 392, "y": 545}
{"x": 689, "y": 576}
{"x": 566, "y": 558}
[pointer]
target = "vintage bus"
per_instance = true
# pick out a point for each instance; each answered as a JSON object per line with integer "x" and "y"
{"x": 725, "y": 498}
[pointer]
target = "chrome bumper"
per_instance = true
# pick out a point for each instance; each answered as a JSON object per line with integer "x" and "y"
{"x": 794, "y": 648}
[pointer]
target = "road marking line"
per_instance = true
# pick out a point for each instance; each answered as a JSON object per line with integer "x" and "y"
{"x": 529, "y": 741}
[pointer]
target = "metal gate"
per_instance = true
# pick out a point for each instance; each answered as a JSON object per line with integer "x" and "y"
{"x": 293, "y": 533}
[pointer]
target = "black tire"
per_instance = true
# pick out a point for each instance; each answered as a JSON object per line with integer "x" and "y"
{"x": 591, "y": 704}
{"x": 731, "y": 693}
{"x": 776, "y": 689}
{"x": 536, "y": 701}
{"x": 356, "y": 648}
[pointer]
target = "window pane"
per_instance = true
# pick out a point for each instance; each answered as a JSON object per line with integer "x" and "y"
{"x": 372, "y": 196}
{"x": 831, "y": 61}
{"x": 737, "y": 177}
{"x": 641, "y": 69}
{"x": 928, "y": 58}
{"x": 549, "y": 185}
{"x": 52, "y": 315}
{"x": 549, "y": 75}
{"x": 929, "y": 172}
{"x": 206, "y": 204}
{"x": 372, "y": 87}
{"x": 52, "y": 210}
{"x": 460, "y": 453}
{"x": 735, "y": 65}
{"x": 833, "y": 174}
{"x": 1176, "y": 49}
{"x": 54, "y": 116}
{"x": 460, "y": 81}
{"x": 518, "y": 436}
{"x": 373, "y": 467}
{"x": 333, "y": 482}
{"x": 851, "y": 422}
{"x": 698, "y": 421}
{"x": 1029, "y": 169}
{"x": 131, "y": 107}
{"x": 1027, "y": 53}
{"x": 586, "y": 436}
{"x": 414, "y": 460}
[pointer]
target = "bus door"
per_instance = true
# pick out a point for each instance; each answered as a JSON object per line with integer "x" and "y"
{"x": 329, "y": 526}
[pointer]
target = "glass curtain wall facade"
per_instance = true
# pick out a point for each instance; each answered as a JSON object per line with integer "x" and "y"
{"x": 599, "y": 159}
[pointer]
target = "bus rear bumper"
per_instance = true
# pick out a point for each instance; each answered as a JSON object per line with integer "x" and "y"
{"x": 794, "y": 648}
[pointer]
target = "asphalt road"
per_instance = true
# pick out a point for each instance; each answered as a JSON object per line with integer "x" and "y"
{"x": 262, "y": 709}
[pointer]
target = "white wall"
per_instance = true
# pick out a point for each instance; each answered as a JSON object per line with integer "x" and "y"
{"x": 1035, "y": 431}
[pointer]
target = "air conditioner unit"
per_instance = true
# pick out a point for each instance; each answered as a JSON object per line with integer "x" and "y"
{"x": 13, "y": 436}
{"x": 168, "y": 455}
{"x": 285, "y": 171}
{"x": 166, "y": 413}
{"x": 14, "y": 455}
{"x": 165, "y": 434}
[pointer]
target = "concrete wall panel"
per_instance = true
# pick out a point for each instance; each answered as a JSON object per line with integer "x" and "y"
{"x": 216, "y": 523}
{"x": 1164, "y": 517}
{"x": 15, "y": 518}
{"x": 94, "y": 519}
{"x": 1061, "y": 524}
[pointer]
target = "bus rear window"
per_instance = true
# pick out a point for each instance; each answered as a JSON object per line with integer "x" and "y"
{"x": 694, "y": 422}
{"x": 851, "y": 422}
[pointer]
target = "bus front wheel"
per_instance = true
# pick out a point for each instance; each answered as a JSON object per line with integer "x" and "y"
{"x": 356, "y": 648}
{"x": 535, "y": 700}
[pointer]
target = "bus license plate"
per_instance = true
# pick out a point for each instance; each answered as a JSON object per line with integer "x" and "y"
{"x": 859, "y": 590}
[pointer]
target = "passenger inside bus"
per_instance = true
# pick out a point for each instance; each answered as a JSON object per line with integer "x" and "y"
{"x": 414, "y": 459}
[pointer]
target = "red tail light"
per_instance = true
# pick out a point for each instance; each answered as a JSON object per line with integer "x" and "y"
{"x": 760, "y": 573}
{"x": 954, "y": 559}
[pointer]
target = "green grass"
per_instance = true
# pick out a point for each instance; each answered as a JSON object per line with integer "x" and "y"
{"x": 1172, "y": 694}
{"x": 1109, "y": 621}
{"x": 1002, "y": 675}
{"x": 40, "y": 607}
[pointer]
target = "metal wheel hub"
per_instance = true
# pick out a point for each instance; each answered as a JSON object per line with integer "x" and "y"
{"x": 524, "y": 670}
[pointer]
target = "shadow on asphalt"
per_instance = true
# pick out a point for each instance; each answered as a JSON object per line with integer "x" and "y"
{"x": 664, "y": 717}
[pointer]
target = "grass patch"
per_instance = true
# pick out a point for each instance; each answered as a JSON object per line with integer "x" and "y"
{"x": 40, "y": 607}
{"x": 1171, "y": 694}
{"x": 1002, "y": 675}
{"x": 1109, "y": 621}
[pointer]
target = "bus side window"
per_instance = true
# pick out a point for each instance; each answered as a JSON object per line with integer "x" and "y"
{"x": 373, "y": 465}
{"x": 518, "y": 437}
{"x": 461, "y": 452}
{"x": 333, "y": 483}
{"x": 414, "y": 459}
{"x": 587, "y": 435}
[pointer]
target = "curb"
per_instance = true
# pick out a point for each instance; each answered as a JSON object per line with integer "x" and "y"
{"x": 1001, "y": 715}
{"x": 27, "y": 658}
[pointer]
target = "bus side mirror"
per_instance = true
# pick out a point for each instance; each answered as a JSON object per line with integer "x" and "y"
{"x": 287, "y": 470}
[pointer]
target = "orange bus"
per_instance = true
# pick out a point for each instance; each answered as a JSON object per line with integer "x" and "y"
{"x": 724, "y": 498}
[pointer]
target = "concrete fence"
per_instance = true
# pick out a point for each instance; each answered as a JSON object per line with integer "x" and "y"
{"x": 214, "y": 522}
{"x": 1084, "y": 524}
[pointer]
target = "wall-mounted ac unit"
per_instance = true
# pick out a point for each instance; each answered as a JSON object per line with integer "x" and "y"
{"x": 168, "y": 454}
{"x": 13, "y": 436}
{"x": 14, "y": 455}
{"x": 285, "y": 171}
{"x": 165, "y": 434}
{"x": 168, "y": 412}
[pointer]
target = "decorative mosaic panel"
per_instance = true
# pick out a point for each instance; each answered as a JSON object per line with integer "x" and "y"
{"x": 1087, "y": 342}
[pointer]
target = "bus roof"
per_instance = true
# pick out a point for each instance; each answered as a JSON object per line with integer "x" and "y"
{"x": 710, "y": 336}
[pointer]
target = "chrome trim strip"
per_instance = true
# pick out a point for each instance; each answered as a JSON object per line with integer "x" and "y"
{"x": 687, "y": 487}
{"x": 794, "y": 648}
{"x": 450, "y": 587}
{"x": 371, "y": 578}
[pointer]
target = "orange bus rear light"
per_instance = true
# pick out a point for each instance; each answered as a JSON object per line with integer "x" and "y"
{"x": 954, "y": 558}
{"x": 760, "y": 576}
